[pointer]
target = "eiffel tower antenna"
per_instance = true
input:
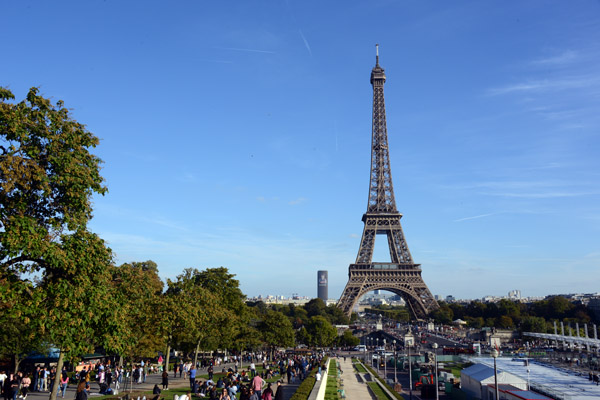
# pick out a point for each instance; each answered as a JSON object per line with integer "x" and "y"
{"x": 400, "y": 276}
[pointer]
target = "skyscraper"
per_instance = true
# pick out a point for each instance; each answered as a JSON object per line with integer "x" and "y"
{"x": 322, "y": 285}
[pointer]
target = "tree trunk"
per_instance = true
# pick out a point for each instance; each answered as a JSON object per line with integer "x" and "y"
{"x": 59, "y": 366}
{"x": 196, "y": 354}
{"x": 121, "y": 361}
{"x": 17, "y": 362}
{"x": 167, "y": 357}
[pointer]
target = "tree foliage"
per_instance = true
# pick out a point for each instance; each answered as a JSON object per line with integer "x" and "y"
{"x": 47, "y": 178}
{"x": 277, "y": 330}
{"x": 139, "y": 290}
{"x": 507, "y": 314}
{"x": 321, "y": 333}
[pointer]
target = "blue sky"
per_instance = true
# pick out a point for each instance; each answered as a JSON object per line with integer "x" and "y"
{"x": 237, "y": 133}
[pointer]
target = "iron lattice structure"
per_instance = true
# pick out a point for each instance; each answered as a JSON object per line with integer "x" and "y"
{"x": 400, "y": 276}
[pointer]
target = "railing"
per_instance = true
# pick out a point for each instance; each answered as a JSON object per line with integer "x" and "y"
{"x": 386, "y": 266}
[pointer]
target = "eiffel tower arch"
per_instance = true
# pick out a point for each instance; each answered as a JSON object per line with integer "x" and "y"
{"x": 400, "y": 276}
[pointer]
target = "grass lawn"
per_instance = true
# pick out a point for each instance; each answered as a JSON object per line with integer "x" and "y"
{"x": 360, "y": 368}
{"x": 381, "y": 395}
{"x": 331, "y": 390}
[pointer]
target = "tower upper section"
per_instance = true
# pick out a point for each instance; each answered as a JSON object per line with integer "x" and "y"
{"x": 381, "y": 190}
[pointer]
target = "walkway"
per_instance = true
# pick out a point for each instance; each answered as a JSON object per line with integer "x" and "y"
{"x": 355, "y": 384}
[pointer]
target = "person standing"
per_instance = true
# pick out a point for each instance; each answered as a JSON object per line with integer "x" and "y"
{"x": 165, "y": 380}
{"x": 36, "y": 377}
{"x": 279, "y": 392}
{"x": 257, "y": 384}
{"x": 192, "y": 377}
{"x": 268, "y": 393}
{"x": 44, "y": 376}
{"x": 15, "y": 381}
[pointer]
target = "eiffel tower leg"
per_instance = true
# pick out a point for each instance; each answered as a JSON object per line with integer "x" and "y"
{"x": 351, "y": 294}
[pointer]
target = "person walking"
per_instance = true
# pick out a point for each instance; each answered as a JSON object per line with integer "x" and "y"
{"x": 64, "y": 382}
{"x": 165, "y": 380}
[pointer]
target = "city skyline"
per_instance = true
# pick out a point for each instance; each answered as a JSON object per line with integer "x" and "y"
{"x": 238, "y": 135}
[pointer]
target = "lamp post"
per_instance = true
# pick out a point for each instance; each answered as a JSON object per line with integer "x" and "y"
{"x": 395, "y": 363}
{"x": 435, "y": 347}
{"x": 408, "y": 342}
{"x": 384, "y": 363}
{"x": 528, "y": 388}
{"x": 495, "y": 355}
{"x": 376, "y": 347}
{"x": 370, "y": 340}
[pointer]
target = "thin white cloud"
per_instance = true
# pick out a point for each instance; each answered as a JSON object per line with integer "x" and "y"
{"x": 305, "y": 42}
{"x": 566, "y": 57}
{"x": 546, "y": 85}
{"x": 473, "y": 217}
{"x": 297, "y": 201}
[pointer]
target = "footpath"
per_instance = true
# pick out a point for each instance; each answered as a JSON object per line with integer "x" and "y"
{"x": 355, "y": 384}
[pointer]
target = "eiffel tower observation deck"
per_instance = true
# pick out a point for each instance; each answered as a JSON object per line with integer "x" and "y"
{"x": 400, "y": 276}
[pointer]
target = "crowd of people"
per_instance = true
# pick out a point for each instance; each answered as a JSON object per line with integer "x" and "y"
{"x": 250, "y": 382}
{"x": 41, "y": 379}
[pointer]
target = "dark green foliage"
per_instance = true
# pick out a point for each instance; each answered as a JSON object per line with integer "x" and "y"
{"x": 396, "y": 313}
{"x": 347, "y": 339}
{"x": 508, "y": 314}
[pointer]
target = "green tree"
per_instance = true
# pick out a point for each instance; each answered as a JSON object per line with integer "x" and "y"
{"x": 47, "y": 178}
{"x": 505, "y": 322}
{"x": 348, "y": 339}
{"x": 204, "y": 310}
{"x": 320, "y": 331}
{"x": 277, "y": 330}
{"x": 232, "y": 310}
{"x": 533, "y": 324}
{"x": 20, "y": 322}
{"x": 315, "y": 307}
{"x": 443, "y": 315}
{"x": 303, "y": 337}
{"x": 139, "y": 289}
{"x": 476, "y": 323}
{"x": 336, "y": 316}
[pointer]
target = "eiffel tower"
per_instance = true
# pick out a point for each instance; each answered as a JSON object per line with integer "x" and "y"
{"x": 400, "y": 276}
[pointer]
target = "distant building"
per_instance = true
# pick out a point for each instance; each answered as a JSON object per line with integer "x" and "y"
{"x": 514, "y": 295}
{"x": 322, "y": 288}
{"x": 450, "y": 299}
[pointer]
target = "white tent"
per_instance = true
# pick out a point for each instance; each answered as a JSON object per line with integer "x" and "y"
{"x": 474, "y": 378}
